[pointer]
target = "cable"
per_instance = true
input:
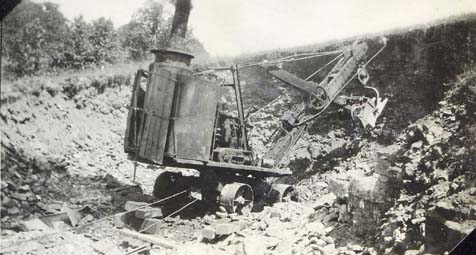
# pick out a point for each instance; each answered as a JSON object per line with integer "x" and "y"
{"x": 260, "y": 109}
{"x": 170, "y": 215}
{"x": 280, "y": 60}
{"x": 320, "y": 69}
{"x": 141, "y": 248}
{"x": 348, "y": 81}
{"x": 91, "y": 223}
{"x": 292, "y": 59}
{"x": 140, "y": 207}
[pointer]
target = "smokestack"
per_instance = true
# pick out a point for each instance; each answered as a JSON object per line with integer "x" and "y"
{"x": 179, "y": 24}
{"x": 176, "y": 50}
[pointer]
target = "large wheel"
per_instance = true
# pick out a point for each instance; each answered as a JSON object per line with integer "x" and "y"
{"x": 318, "y": 100}
{"x": 237, "y": 198}
{"x": 281, "y": 193}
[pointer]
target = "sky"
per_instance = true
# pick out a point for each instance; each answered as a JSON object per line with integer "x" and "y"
{"x": 233, "y": 27}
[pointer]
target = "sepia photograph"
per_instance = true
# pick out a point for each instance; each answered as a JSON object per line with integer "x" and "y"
{"x": 260, "y": 127}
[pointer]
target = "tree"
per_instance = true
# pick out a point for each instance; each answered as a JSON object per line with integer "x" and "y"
{"x": 45, "y": 23}
{"x": 39, "y": 38}
{"x": 27, "y": 52}
{"x": 80, "y": 50}
{"x": 147, "y": 30}
{"x": 56, "y": 30}
{"x": 196, "y": 47}
{"x": 104, "y": 41}
{"x": 150, "y": 29}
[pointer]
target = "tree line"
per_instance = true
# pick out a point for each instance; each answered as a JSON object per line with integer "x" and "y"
{"x": 37, "y": 38}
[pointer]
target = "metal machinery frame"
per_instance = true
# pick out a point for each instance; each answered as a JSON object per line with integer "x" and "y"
{"x": 174, "y": 122}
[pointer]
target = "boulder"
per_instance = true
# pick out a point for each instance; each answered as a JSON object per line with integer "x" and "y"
{"x": 367, "y": 188}
{"x": 148, "y": 212}
{"x": 208, "y": 233}
{"x": 315, "y": 228}
{"x": 34, "y": 224}
{"x": 254, "y": 245}
{"x": 151, "y": 226}
{"x": 131, "y": 205}
{"x": 339, "y": 186}
{"x": 226, "y": 228}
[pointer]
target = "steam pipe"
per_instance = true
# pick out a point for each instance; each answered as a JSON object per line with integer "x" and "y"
{"x": 176, "y": 50}
{"x": 179, "y": 24}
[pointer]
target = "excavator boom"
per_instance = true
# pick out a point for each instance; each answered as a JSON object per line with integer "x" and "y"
{"x": 350, "y": 64}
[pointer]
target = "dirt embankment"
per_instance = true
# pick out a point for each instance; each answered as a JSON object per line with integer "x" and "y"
{"x": 60, "y": 140}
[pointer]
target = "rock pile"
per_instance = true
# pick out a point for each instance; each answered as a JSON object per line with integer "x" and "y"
{"x": 31, "y": 189}
{"x": 21, "y": 189}
{"x": 438, "y": 156}
{"x": 418, "y": 190}
{"x": 287, "y": 228}
{"x": 58, "y": 140}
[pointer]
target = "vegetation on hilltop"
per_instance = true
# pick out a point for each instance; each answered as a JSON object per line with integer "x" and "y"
{"x": 38, "y": 39}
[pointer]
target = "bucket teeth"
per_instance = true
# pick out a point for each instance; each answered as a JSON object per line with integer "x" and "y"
{"x": 369, "y": 111}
